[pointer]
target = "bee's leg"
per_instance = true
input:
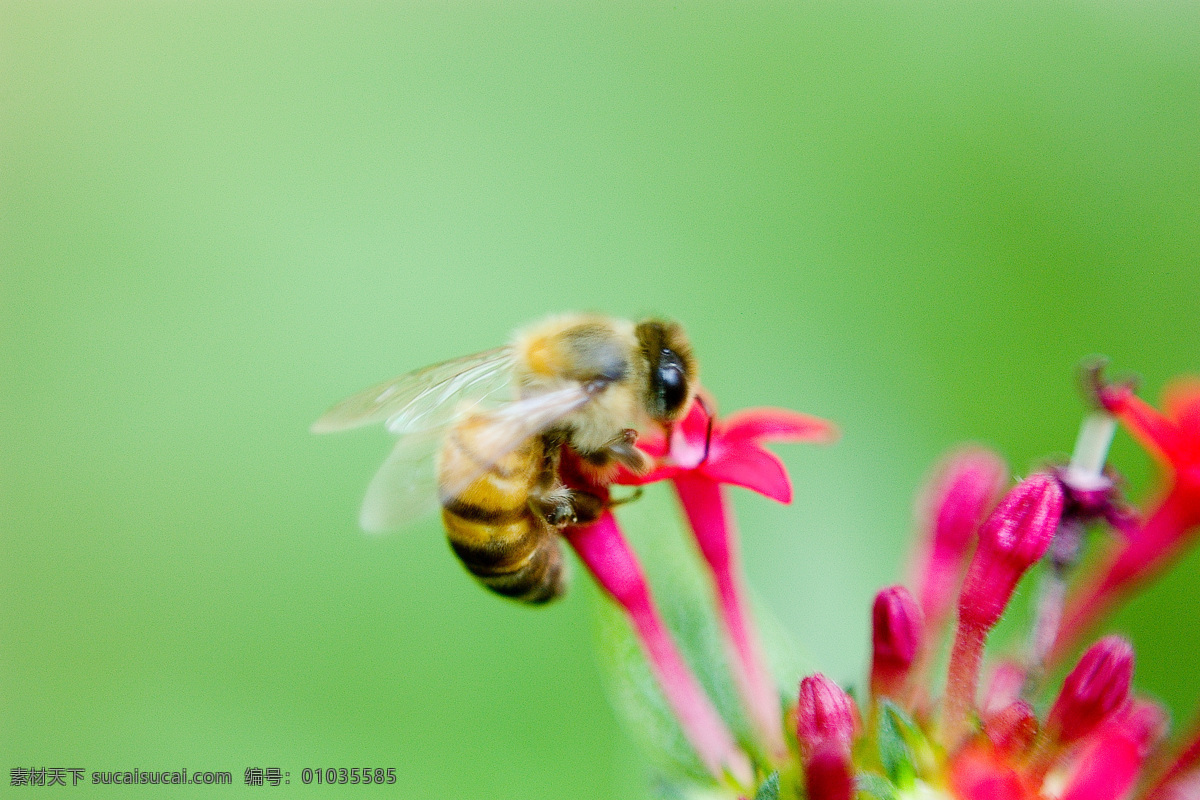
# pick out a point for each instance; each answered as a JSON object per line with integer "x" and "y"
{"x": 588, "y": 507}
{"x": 550, "y": 499}
{"x": 563, "y": 507}
{"x": 620, "y": 501}
{"x": 555, "y": 504}
{"x": 623, "y": 450}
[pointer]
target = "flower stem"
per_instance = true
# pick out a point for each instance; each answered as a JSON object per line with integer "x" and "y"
{"x": 604, "y": 551}
{"x": 962, "y": 680}
{"x": 706, "y": 507}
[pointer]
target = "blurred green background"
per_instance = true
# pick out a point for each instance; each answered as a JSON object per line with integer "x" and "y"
{"x": 216, "y": 219}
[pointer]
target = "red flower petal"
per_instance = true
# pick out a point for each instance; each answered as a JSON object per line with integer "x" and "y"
{"x": 778, "y": 425}
{"x": 1154, "y": 431}
{"x": 653, "y": 443}
{"x": 746, "y": 464}
{"x": 694, "y": 426}
{"x": 661, "y": 473}
{"x": 1181, "y": 402}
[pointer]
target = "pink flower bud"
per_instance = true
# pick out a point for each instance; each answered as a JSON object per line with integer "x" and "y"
{"x": 824, "y": 715}
{"x": 1012, "y": 540}
{"x": 965, "y": 488}
{"x": 897, "y": 627}
{"x": 828, "y": 774}
{"x": 1095, "y": 689}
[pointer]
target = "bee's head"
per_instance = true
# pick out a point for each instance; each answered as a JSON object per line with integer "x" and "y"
{"x": 672, "y": 369}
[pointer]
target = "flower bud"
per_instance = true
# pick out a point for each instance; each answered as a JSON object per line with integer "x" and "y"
{"x": 828, "y": 774}
{"x": 967, "y": 485}
{"x": 1095, "y": 689}
{"x": 1012, "y": 540}
{"x": 824, "y": 715}
{"x": 897, "y": 627}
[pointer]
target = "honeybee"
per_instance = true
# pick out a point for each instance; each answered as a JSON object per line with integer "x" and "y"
{"x": 484, "y": 434}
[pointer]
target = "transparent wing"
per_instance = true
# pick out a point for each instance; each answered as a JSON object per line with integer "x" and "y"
{"x": 404, "y": 489}
{"x": 510, "y": 426}
{"x": 427, "y": 398}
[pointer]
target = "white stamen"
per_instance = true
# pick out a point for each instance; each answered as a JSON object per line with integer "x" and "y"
{"x": 1086, "y": 470}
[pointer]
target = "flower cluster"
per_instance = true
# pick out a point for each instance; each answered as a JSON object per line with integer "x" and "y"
{"x": 998, "y": 729}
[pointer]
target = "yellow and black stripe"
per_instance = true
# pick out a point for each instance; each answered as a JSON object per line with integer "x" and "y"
{"x": 490, "y": 525}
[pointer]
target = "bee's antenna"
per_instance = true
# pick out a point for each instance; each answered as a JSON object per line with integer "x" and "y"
{"x": 708, "y": 432}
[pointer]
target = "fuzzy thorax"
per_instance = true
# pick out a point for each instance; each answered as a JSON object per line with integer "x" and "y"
{"x": 572, "y": 349}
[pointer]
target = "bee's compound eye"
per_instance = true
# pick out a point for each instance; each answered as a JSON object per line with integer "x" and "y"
{"x": 672, "y": 383}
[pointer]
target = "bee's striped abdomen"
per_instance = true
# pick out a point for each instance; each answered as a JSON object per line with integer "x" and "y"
{"x": 490, "y": 525}
{"x": 524, "y": 563}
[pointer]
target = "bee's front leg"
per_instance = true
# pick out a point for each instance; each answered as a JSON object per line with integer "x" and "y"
{"x": 623, "y": 450}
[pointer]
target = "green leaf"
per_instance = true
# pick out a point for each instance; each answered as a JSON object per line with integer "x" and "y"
{"x": 895, "y": 731}
{"x": 769, "y": 790}
{"x": 875, "y": 786}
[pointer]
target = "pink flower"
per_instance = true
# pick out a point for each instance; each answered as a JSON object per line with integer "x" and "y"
{"x": 701, "y": 454}
{"x": 1095, "y": 740}
{"x": 731, "y": 451}
{"x": 1173, "y": 438}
